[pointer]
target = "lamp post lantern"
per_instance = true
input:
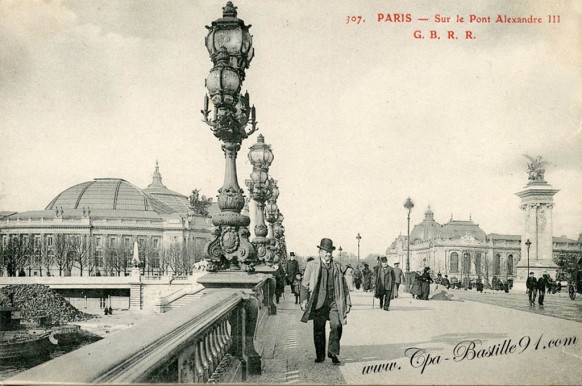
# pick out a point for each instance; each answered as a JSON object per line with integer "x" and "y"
{"x": 358, "y": 237}
{"x": 229, "y": 45}
{"x": 408, "y": 205}
{"x": 261, "y": 157}
{"x": 527, "y": 244}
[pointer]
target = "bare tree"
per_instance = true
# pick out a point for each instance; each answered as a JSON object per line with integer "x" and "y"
{"x": 60, "y": 251}
{"x": 173, "y": 257}
{"x": 47, "y": 255}
{"x": 17, "y": 254}
{"x": 150, "y": 254}
{"x": 79, "y": 247}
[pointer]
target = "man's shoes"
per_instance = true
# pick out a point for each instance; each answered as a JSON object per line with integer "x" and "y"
{"x": 319, "y": 360}
{"x": 386, "y": 309}
{"x": 334, "y": 358}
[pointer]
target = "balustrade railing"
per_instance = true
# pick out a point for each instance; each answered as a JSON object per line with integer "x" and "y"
{"x": 211, "y": 342}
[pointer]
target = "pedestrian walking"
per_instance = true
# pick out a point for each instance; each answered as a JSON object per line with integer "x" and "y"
{"x": 366, "y": 277}
{"x": 296, "y": 286}
{"x": 385, "y": 283}
{"x": 325, "y": 296}
{"x": 416, "y": 287}
{"x": 532, "y": 290}
{"x": 398, "y": 278}
{"x": 279, "y": 280}
{"x": 349, "y": 275}
{"x": 292, "y": 269}
{"x": 446, "y": 282}
{"x": 357, "y": 278}
{"x": 425, "y": 281}
{"x": 541, "y": 284}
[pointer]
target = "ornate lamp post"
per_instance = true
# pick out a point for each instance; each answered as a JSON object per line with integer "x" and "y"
{"x": 261, "y": 157}
{"x": 340, "y": 253}
{"x": 358, "y": 237}
{"x": 272, "y": 217}
{"x": 229, "y": 44}
{"x": 408, "y": 205}
{"x": 527, "y": 244}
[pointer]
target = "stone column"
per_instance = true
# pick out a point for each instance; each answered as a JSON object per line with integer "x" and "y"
{"x": 537, "y": 203}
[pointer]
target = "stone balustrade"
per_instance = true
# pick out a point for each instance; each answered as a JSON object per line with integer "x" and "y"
{"x": 211, "y": 342}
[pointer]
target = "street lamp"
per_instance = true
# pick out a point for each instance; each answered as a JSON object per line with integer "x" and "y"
{"x": 340, "y": 253}
{"x": 358, "y": 237}
{"x": 408, "y": 205}
{"x": 527, "y": 244}
{"x": 261, "y": 157}
{"x": 229, "y": 45}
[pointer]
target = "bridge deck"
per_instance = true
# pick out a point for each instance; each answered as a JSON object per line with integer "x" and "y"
{"x": 375, "y": 337}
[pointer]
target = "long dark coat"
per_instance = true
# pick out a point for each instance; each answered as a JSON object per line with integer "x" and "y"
{"x": 292, "y": 270}
{"x": 367, "y": 278}
{"x": 310, "y": 283}
{"x": 388, "y": 284}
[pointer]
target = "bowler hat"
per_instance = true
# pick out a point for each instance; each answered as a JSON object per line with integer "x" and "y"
{"x": 326, "y": 245}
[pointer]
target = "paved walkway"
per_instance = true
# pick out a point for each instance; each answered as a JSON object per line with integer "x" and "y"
{"x": 516, "y": 347}
{"x": 557, "y": 305}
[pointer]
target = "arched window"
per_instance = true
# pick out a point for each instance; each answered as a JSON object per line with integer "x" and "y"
{"x": 454, "y": 263}
{"x": 497, "y": 265}
{"x": 510, "y": 265}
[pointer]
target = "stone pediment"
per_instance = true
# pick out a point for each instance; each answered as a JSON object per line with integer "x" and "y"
{"x": 468, "y": 238}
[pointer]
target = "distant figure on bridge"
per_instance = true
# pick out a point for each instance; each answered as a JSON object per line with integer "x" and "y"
{"x": 279, "y": 279}
{"x": 532, "y": 288}
{"x": 357, "y": 277}
{"x": 349, "y": 275}
{"x": 296, "y": 286}
{"x": 367, "y": 277}
{"x": 385, "y": 281}
{"x": 446, "y": 282}
{"x": 398, "y": 278}
{"x": 542, "y": 283}
{"x": 325, "y": 296}
{"x": 292, "y": 269}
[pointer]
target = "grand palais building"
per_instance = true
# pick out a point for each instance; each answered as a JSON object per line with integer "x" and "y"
{"x": 462, "y": 250}
{"x": 91, "y": 228}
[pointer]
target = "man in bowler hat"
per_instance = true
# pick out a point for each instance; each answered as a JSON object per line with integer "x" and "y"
{"x": 325, "y": 296}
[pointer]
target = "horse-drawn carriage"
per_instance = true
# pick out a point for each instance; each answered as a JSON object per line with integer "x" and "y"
{"x": 571, "y": 270}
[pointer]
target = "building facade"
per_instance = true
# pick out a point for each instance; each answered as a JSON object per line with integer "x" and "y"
{"x": 91, "y": 228}
{"x": 464, "y": 251}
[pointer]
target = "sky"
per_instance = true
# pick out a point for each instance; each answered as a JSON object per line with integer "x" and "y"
{"x": 359, "y": 116}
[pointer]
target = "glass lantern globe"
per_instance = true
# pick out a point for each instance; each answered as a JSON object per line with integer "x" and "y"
{"x": 260, "y": 178}
{"x": 231, "y": 33}
{"x": 272, "y": 210}
{"x": 260, "y": 154}
{"x": 223, "y": 83}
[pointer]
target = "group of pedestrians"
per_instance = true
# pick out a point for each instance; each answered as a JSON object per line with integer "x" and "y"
{"x": 420, "y": 288}
{"x": 536, "y": 287}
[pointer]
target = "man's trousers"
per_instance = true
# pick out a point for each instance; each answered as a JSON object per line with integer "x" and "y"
{"x": 385, "y": 299}
{"x": 320, "y": 316}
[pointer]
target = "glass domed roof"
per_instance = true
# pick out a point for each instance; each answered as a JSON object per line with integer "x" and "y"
{"x": 108, "y": 194}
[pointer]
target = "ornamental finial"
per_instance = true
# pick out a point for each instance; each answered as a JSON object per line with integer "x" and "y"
{"x": 229, "y": 10}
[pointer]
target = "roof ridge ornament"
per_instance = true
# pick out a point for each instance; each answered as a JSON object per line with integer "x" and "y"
{"x": 229, "y": 10}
